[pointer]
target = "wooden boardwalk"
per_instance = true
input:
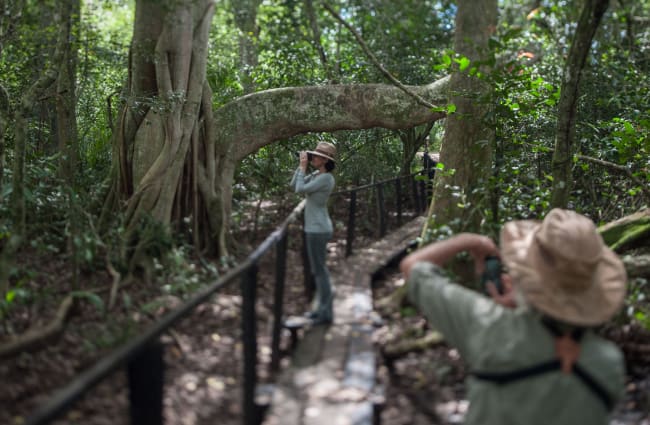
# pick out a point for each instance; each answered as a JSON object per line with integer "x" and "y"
{"x": 332, "y": 376}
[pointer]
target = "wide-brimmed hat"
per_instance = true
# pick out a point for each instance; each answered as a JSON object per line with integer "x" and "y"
{"x": 563, "y": 267}
{"x": 326, "y": 150}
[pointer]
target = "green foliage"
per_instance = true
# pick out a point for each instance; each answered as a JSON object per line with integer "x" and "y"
{"x": 180, "y": 273}
{"x": 14, "y": 297}
{"x": 411, "y": 39}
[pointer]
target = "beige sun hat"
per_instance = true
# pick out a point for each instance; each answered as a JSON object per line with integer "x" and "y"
{"x": 326, "y": 150}
{"x": 563, "y": 267}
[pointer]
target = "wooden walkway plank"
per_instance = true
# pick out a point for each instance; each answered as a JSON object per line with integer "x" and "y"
{"x": 331, "y": 380}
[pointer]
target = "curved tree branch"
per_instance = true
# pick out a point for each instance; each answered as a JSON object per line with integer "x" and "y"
{"x": 255, "y": 120}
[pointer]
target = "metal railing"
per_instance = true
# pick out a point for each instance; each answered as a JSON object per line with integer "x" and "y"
{"x": 143, "y": 355}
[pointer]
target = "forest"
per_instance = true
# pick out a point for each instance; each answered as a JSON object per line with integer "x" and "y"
{"x": 146, "y": 148}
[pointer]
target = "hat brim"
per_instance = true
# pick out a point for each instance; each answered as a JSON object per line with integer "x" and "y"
{"x": 321, "y": 154}
{"x": 593, "y": 306}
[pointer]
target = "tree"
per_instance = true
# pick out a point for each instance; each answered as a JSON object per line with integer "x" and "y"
{"x": 21, "y": 117}
{"x": 466, "y": 145}
{"x": 174, "y": 157}
{"x": 167, "y": 117}
{"x": 592, "y": 13}
{"x": 245, "y": 17}
{"x": 66, "y": 98}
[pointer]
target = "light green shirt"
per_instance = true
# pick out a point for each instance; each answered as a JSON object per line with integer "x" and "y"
{"x": 317, "y": 188}
{"x": 492, "y": 338}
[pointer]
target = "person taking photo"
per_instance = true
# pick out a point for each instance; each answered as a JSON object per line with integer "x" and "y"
{"x": 317, "y": 187}
{"x": 532, "y": 352}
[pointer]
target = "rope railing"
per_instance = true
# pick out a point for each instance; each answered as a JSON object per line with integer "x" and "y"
{"x": 142, "y": 356}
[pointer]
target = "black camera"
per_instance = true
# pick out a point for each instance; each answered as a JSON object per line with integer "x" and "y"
{"x": 309, "y": 155}
{"x": 492, "y": 273}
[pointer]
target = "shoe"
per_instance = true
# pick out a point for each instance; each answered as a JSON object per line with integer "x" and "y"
{"x": 311, "y": 315}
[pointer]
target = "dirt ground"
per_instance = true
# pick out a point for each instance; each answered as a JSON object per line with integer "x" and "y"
{"x": 202, "y": 353}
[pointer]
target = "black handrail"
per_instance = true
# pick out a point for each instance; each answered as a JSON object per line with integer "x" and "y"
{"x": 419, "y": 198}
{"x": 143, "y": 354}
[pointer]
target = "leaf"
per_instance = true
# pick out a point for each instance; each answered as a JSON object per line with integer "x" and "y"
{"x": 446, "y": 63}
{"x": 462, "y": 62}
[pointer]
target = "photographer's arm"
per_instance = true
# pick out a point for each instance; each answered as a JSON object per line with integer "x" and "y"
{"x": 440, "y": 253}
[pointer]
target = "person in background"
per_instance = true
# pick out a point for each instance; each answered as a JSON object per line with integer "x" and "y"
{"x": 532, "y": 354}
{"x": 317, "y": 188}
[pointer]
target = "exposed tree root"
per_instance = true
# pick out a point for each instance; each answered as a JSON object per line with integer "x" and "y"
{"x": 36, "y": 338}
{"x": 392, "y": 302}
{"x": 404, "y": 346}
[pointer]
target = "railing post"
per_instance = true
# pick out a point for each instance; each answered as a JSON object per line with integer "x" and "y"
{"x": 382, "y": 210}
{"x": 249, "y": 336}
{"x": 351, "y": 215}
{"x": 398, "y": 196}
{"x": 280, "y": 272}
{"x": 145, "y": 374}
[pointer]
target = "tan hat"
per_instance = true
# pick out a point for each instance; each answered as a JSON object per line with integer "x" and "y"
{"x": 326, "y": 150}
{"x": 564, "y": 268}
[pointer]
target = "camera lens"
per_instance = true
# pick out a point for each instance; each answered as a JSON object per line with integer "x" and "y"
{"x": 309, "y": 156}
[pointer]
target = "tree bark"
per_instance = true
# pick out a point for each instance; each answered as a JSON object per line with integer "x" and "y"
{"x": 562, "y": 162}
{"x": 5, "y": 113}
{"x": 412, "y": 141}
{"x": 316, "y": 37}
{"x": 245, "y": 12}
{"x": 162, "y": 127}
{"x": 66, "y": 91}
{"x": 466, "y": 145}
{"x": 23, "y": 111}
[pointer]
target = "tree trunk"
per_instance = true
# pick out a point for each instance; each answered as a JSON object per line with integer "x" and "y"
{"x": 5, "y": 113}
{"x": 66, "y": 91}
{"x": 412, "y": 141}
{"x": 562, "y": 162}
{"x": 316, "y": 37}
{"x": 162, "y": 128}
{"x": 466, "y": 146}
{"x": 245, "y": 12}
{"x": 23, "y": 111}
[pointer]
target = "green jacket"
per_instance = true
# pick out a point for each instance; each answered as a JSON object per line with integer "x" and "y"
{"x": 492, "y": 338}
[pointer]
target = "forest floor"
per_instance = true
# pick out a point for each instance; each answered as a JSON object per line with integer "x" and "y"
{"x": 203, "y": 352}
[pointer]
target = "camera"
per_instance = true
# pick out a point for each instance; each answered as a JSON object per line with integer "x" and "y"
{"x": 492, "y": 273}
{"x": 309, "y": 155}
